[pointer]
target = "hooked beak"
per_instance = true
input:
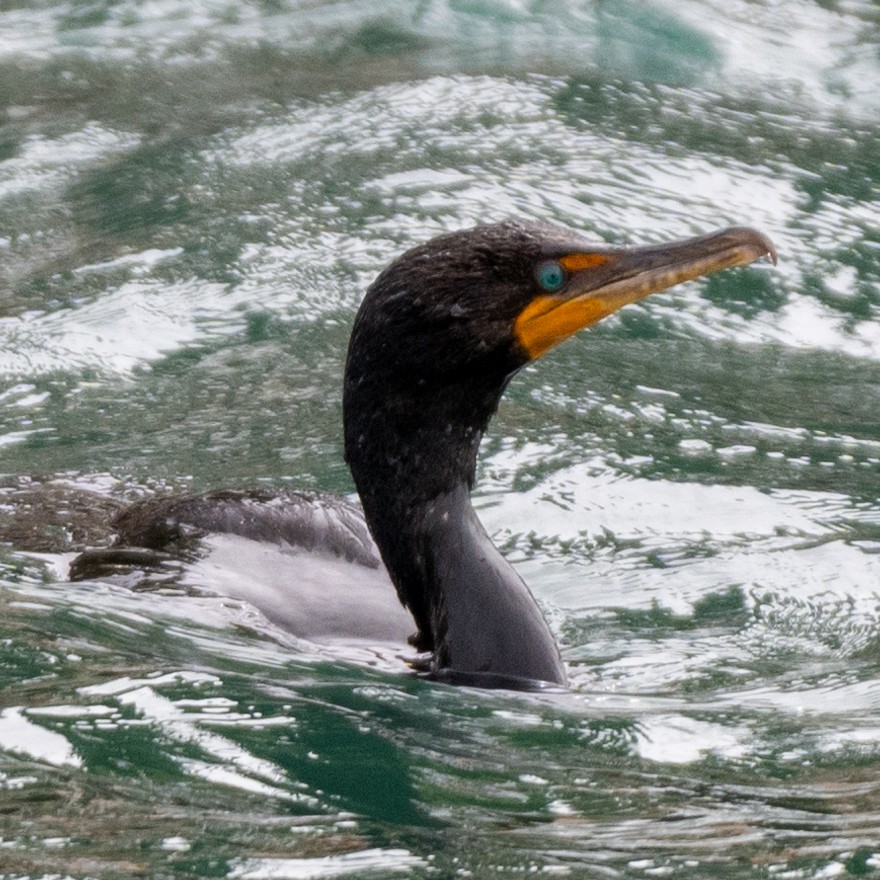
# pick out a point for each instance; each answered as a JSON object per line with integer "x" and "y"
{"x": 601, "y": 281}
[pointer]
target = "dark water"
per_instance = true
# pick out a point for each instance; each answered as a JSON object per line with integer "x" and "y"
{"x": 193, "y": 197}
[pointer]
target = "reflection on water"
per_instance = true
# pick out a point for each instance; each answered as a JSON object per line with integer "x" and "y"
{"x": 192, "y": 199}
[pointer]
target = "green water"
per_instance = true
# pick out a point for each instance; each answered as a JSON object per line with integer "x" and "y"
{"x": 192, "y": 200}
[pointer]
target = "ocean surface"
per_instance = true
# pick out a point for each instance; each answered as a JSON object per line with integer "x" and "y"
{"x": 194, "y": 196}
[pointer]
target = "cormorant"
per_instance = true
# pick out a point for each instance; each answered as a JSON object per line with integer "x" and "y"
{"x": 439, "y": 334}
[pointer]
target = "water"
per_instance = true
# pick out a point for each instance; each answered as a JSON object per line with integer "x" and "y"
{"x": 192, "y": 200}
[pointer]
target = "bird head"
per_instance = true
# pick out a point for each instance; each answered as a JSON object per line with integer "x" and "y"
{"x": 486, "y": 301}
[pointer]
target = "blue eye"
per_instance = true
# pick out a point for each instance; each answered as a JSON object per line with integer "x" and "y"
{"x": 551, "y": 276}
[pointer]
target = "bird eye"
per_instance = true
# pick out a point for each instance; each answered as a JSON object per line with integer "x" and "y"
{"x": 551, "y": 276}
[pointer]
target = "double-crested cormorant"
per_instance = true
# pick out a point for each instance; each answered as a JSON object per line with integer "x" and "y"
{"x": 437, "y": 338}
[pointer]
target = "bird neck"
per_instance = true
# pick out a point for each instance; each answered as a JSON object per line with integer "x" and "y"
{"x": 486, "y": 625}
{"x": 473, "y": 611}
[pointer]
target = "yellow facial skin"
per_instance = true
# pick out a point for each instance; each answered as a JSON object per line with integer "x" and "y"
{"x": 601, "y": 282}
